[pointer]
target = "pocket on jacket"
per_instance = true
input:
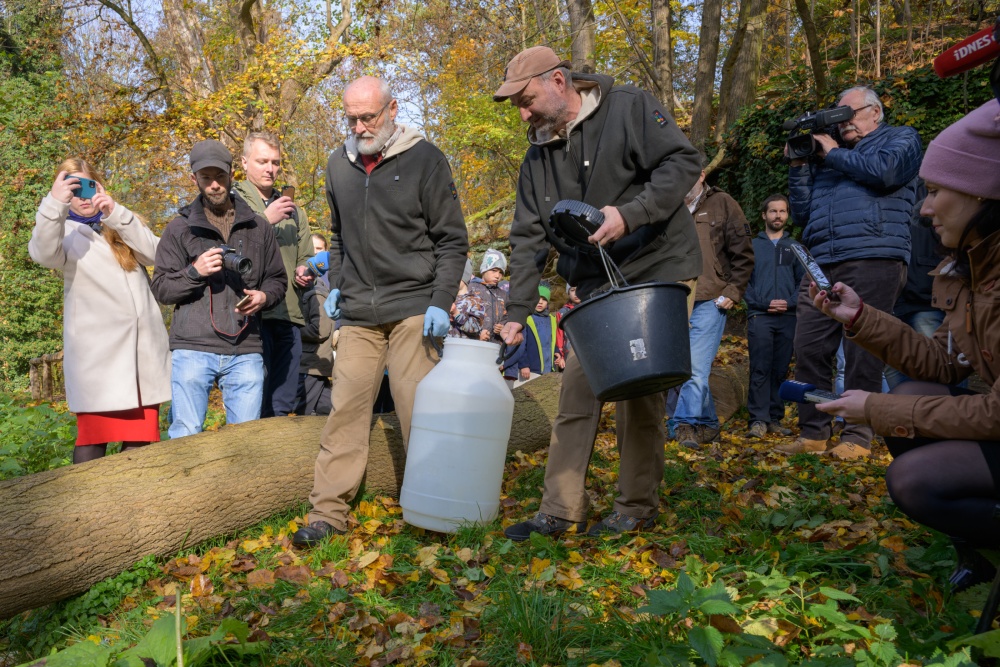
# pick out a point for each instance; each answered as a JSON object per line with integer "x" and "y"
{"x": 178, "y": 319}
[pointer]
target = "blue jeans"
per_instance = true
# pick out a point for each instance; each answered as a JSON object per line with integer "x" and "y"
{"x": 838, "y": 382}
{"x": 921, "y": 321}
{"x": 694, "y": 404}
{"x": 240, "y": 377}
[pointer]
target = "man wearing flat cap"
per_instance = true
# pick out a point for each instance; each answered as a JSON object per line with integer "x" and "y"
{"x": 215, "y": 327}
{"x": 618, "y": 149}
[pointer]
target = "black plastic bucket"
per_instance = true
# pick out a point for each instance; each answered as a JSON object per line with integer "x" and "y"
{"x": 632, "y": 341}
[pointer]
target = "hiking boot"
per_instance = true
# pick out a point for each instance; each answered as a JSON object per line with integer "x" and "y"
{"x": 707, "y": 434}
{"x": 686, "y": 435}
{"x": 849, "y": 451}
{"x": 307, "y": 536}
{"x": 757, "y": 430}
{"x": 776, "y": 427}
{"x": 543, "y": 524}
{"x": 801, "y": 446}
{"x": 617, "y": 523}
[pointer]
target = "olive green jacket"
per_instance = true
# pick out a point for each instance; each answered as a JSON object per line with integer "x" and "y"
{"x": 294, "y": 243}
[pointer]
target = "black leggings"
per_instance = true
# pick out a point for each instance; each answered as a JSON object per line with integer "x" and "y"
{"x": 948, "y": 485}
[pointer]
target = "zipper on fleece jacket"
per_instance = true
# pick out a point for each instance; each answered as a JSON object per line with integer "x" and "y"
{"x": 368, "y": 256}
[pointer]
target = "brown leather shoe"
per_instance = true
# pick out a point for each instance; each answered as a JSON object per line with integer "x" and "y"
{"x": 757, "y": 430}
{"x": 848, "y": 451}
{"x": 707, "y": 435}
{"x": 802, "y": 446}
{"x": 686, "y": 435}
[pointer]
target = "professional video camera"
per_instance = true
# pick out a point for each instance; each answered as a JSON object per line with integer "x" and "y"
{"x": 824, "y": 121}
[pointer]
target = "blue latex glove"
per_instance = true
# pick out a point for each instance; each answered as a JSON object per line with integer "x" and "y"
{"x": 436, "y": 322}
{"x": 332, "y": 305}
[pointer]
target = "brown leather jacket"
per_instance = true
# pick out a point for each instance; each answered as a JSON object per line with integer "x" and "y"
{"x": 972, "y": 320}
{"x": 726, "y": 247}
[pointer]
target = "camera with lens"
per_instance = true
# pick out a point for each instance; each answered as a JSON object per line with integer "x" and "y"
{"x": 233, "y": 260}
{"x": 801, "y": 143}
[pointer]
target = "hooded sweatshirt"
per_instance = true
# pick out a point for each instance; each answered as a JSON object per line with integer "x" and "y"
{"x": 622, "y": 150}
{"x": 399, "y": 240}
{"x": 204, "y": 317}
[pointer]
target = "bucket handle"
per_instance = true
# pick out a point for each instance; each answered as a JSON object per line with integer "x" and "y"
{"x": 503, "y": 357}
{"x": 608, "y": 265}
{"x": 437, "y": 345}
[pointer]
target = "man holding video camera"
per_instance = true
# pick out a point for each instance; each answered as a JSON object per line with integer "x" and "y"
{"x": 853, "y": 201}
{"x": 218, "y": 265}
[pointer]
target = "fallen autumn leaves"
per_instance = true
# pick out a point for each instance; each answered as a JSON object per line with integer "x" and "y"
{"x": 755, "y": 554}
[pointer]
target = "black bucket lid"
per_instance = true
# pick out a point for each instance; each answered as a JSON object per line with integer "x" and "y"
{"x": 574, "y": 221}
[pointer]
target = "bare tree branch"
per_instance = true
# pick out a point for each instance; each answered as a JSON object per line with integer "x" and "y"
{"x": 633, "y": 41}
{"x": 154, "y": 60}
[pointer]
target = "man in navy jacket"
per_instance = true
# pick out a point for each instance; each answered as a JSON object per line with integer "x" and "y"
{"x": 854, "y": 207}
{"x": 770, "y": 298}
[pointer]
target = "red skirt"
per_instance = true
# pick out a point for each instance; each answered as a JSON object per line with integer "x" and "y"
{"x": 135, "y": 425}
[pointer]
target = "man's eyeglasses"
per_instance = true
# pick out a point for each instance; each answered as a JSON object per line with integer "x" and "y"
{"x": 367, "y": 119}
{"x": 862, "y": 108}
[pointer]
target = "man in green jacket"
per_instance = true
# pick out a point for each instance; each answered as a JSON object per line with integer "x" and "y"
{"x": 281, "y": 328}
{"x": 617, "y": 149}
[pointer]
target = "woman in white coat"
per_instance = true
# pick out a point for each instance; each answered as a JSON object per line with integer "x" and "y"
{"x": 116, "y": 356}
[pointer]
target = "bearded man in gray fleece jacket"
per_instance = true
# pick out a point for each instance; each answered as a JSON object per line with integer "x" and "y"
{"x": 398, "y": 250}
{"x": 617, "y": 149}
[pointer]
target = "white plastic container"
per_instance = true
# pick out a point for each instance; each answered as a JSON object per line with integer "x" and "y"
{"x": 458, "y": 440}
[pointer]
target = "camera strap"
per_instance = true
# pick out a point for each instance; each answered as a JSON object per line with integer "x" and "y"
{"x": 211, "y": 315}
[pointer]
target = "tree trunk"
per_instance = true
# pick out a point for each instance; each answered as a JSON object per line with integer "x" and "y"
{"x": 742, "y": 67}
{"x": 196, "y": 76}
{"x": 663, "y": 54}
{"x": 65, "y": 530}
{"x": 788, "y": 33}
{"x": 704, "y": 78}
{"x": 582, "y": 28}
{"x": 878, "y": 39}
{"x": 730, "y": 386}
{"x": 812, "y": 43}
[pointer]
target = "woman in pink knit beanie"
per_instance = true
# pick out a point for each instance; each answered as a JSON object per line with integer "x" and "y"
{"x": 945, "y": 442}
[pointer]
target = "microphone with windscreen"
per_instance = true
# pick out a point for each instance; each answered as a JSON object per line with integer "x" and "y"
{"x": 973, "y": 51}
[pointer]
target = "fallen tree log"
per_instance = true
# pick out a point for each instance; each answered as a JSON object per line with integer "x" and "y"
{"x": 64, "y": 530}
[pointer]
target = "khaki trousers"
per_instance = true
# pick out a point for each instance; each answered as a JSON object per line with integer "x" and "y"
{"x": 363, "y": 354}
{"x": 640, "y": 435}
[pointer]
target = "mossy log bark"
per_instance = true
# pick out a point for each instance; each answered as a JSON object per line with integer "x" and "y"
{"x": 64, "y": 530}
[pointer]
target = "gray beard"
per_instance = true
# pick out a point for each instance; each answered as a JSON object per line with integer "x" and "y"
{"x": 552, "y": 120}
{"x": 373, "y": 144}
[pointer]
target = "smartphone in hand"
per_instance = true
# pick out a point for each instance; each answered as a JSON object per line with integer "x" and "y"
{"x": 87, "y": 188}
{"x": 812, "y": 268}
{"x": 244, "y": 301}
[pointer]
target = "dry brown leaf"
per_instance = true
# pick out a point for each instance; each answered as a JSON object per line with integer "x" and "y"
{"x": 260, "y": 578}
{"x": 295, "y": 574}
